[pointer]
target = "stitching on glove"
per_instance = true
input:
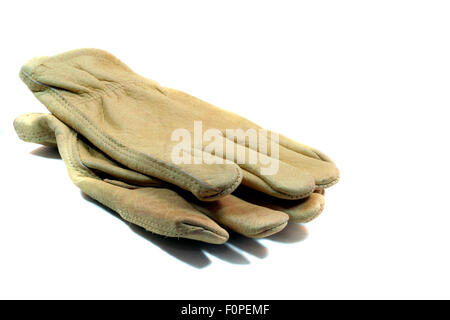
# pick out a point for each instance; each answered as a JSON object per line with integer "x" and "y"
{"x": 157, "y": 228}
{"x": 291, "y": 196}
{"x": 31, "y": 137}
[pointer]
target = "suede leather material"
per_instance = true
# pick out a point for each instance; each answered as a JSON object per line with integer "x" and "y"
{"x": 154, "y": 204}
{"x": 130, "y": 119}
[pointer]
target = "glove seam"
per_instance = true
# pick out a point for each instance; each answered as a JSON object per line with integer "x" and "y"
{"x": 30, "y": 137}
{"x": 147, "y": 225}
{"x": 74, "y": 158}
{"x": 327, "y": 185}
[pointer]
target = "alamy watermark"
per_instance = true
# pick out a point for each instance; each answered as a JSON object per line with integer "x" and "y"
{"x": 251, "y": 146}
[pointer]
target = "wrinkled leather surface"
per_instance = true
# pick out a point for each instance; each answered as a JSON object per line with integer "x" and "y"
{"x": 131, "y": 118}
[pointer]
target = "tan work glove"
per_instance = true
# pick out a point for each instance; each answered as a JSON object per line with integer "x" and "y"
{"x": 132, "y": 120}
{"x": 157, "y": 206}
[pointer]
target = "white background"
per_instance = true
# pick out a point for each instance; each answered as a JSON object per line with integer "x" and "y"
{"x": 365, "y": 81}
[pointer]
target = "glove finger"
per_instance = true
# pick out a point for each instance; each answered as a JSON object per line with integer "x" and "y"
{"x": 325, "y": 174}
{"x": 321, "y": 167}
{"x": 33, "y": 127}
{"x": 243, "y": 217}
{"x": 274, "y": 170}
{"x": 303, "y": 210}
{"x": 302, "y": 148}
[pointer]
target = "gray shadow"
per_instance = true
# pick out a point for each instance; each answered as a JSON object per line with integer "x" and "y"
{"x": 46, "y": 152}
{"x": 188, "y": 251}
{"x": 225, "y": 253}
{"x": 182, "y": 249}
{"x": 291, "y": 234}
{"x": 194, "y": 253}
{"x": 248, "y": 245}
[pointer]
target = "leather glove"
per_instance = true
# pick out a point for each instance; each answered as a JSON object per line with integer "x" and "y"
{"x": 132, "y": 120}
{"x": 154, "y": 204}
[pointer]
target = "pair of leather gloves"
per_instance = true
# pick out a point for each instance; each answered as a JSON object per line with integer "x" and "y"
{"x": 114, "y": 131}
